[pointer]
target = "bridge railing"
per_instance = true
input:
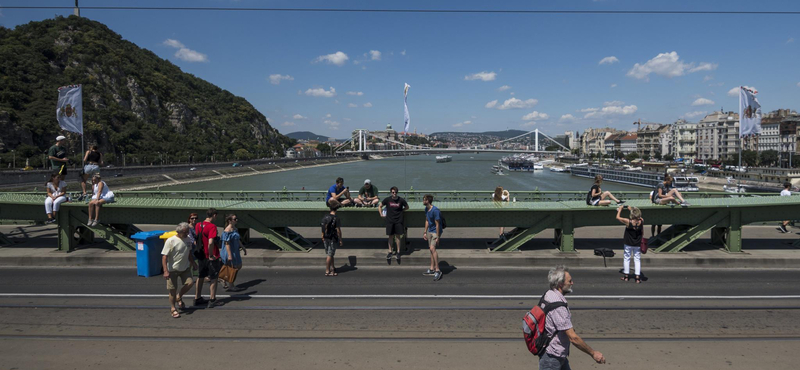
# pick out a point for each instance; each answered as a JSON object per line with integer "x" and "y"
{"x": 410, "y": 195}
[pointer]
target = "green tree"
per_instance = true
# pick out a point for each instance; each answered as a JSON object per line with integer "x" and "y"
{"x": 657, "y": 156}
{"x": 324, "y": 148}
{"x": 242, "y": 154}
{"x": 632, "y": 156}
{"x": 669, "y": 158}
{"x": 749, "y": 158}
{"x": 768, "y": 158}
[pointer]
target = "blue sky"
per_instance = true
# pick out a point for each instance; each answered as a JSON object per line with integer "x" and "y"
{"x": 469, "y": 72}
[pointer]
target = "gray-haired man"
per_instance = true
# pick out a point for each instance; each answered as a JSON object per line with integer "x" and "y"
{"x": 559, "y": 325}
{"x": 176, "y": 259}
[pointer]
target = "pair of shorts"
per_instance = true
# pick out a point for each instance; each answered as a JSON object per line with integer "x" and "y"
{"x": 432, "y": 238}
{"x": 209, "y": 268}
{"x": 185, "y": 276}
{"x": 91, "y": 169}
{"x": 61, "y": 170}
{"x": 109, "y": 198}
{"x": 330, "y": 247}
{"x": 395, "y": 229}
{"x": 596, "y": 201}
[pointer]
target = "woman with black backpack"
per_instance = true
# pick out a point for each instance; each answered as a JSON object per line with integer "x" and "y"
{"x": 634, "y": 232}
{"x": 598, "y": 197}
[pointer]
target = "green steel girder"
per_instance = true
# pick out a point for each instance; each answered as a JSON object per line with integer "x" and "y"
{"x": 516, "y": 241}
{"x": 676, "y": 244}
{"x": 4, "y": 240}
{"x": 283, "y": 240}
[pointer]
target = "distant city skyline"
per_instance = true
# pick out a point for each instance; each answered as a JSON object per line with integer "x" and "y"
{"x": 330, "y": 73}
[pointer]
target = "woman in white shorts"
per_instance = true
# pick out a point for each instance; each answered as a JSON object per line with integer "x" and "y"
{"x": 634, "y": 232}
{"x": 102, "y": 195}
{"x": 56, "y": 194}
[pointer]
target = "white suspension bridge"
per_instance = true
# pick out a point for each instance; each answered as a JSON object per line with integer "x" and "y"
{"x": 359, "y": 144}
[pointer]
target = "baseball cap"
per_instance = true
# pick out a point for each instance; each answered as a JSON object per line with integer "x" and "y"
{"x": 367, "y": 182}
{"x": 61, "y": 137}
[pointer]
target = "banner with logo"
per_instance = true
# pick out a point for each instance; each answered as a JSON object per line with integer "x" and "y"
{"x": 406, "y": 117}
{"x": 69, "y": 111}
{"x": 749, "y": 112}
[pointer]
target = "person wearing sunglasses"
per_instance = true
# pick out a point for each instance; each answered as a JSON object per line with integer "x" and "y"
{"x": 393, "y": 214}
{"x": 231, "y": 240}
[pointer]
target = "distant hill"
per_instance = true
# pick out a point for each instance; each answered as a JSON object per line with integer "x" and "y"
{"x": 306, "y": 135}
{"x": 501, "y": 134}
{"x": 134, "y": 102}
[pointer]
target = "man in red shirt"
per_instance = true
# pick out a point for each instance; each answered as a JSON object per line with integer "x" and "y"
{"x": 206, "y": 233}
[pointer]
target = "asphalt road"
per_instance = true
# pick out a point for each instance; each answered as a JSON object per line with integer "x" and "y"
{"x": 393, "y": 318}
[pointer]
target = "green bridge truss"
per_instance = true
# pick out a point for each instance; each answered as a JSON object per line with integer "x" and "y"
{"x": 274, "y": 213}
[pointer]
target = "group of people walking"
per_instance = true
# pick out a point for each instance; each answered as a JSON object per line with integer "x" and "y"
{"x": 198, "y": 246}
{"x": 391, "y": 210}
{"x": 57, "y": 187}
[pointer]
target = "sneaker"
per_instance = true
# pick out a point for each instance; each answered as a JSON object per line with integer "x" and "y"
{"x": 783, "y": 229}
{"x": 397, "y": 257}
{"x": 199, "y": 301}
{"x": 94, "y": 223}
{"x": 437, "y": 276}
{"x": 389, "y": 256}
{"x": 685, "y": 204}
{"x": 621, "y": 202}
{"x": 211, "y": 303}
{"x": 81, "y": 197}
{"x": 429, "y": 272}
{"x": 50, "y": 221}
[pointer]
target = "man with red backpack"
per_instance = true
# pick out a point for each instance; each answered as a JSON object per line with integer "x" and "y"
{"x": 548, "y": 327}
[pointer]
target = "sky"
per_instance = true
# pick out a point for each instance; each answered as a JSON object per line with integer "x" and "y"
{"x": 333, "y": 72}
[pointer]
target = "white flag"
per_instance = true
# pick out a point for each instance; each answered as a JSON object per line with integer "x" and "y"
{"x": 406, "y": 117}
{"x": 749, "y": 112}
{"x": 69, "y": 111}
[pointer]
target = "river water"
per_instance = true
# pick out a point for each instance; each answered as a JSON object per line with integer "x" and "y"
{"x": 465, "y": 172}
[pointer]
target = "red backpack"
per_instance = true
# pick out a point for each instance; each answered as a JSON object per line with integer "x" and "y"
{"x": 533, "y": 330}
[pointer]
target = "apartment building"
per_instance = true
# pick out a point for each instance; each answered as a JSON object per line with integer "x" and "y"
{"x": 653, "y": 140}
{"x": 718, "y": 136}
{"x": 683, "y": 140}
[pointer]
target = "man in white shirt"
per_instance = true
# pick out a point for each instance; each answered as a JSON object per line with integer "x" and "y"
{"x": 175, "y": 260}
{"x": 786, "y": 192}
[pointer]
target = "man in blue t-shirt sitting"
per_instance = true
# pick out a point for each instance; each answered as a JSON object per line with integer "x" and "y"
{"x": 339, "y": 192}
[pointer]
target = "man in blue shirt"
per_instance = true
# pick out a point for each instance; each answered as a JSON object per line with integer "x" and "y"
{"x": 339, "y": 192}
{"x": 433, "y": 231}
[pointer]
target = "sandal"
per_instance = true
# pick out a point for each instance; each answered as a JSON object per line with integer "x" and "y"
{"x": 638, "y": 279}
{"x": 333, "y": 273}
{"x": 327, "y": 273}
{"x": 625, "y": 277}
{"x": 181, "y": 305}
{"x": 175, "y": 314}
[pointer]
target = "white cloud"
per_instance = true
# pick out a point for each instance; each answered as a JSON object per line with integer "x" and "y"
{"x": 615, "y": 102}
{"x": 609, "y": 60}
{"x": 338, "y": 58}
{"x": 403, "y": 53}
{"x": 320, "y": 92}
{"x": 189, "y": 55}
{"x": 707, "y": 78}
{"x": 276, "y": 78}
{"x": 367, "y": 105}
{"x": 173, "y": 43}
{"x": 515, "y": 103}
{"x": 352, "y": 105}
{"x": 356, "y": 93}
{"x": 613, "y": 85}
{"x": 790, "y": 40}
{"x": 704, "y": 67}
{"x": 702, "y": 101}
{"x": 735, "y": 91}
{"x": 511, "y": 93}
{"x": 328, "y": 115}
{"x": 535, "y": 116}
{"x": 612, "y": 110}
{"x": 287, "y": 123}
{"x": 347, "y": 119}
{"x": 483, "y": 76}
{"x": 298, "y": 116}
{"x": 333, "y": 125}
{"x": 503, "y": 88}
{"x": 460, "y": 124}
{"x": 185, "y": 53}
{"x": 491, "y": 104}
{"x": 694, "y": 114}
{"x": 374, "y": 55}
{"x": 567, "y": 118}
{"x": 667, "y": 65}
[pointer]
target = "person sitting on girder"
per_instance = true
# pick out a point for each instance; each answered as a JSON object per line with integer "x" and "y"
{"x": 666, "y": 194}
{"x": 339, "y": 192}
{"x": 367, "y": 195}
{"x": 598, "y": 197}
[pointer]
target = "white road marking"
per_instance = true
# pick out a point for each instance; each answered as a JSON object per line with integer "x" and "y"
{"x": 403, "y": 296}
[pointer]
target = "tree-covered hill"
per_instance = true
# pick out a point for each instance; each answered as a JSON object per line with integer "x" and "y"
{"x": 134, "y": 102}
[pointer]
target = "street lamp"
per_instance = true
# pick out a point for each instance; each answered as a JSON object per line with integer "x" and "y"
{"x": 14, "y": 159}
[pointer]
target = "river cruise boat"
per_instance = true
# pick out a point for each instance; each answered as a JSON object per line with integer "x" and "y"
{"x": 635, "y": 177}
{"x": 515, "y": 163}
{"x": 443, "y": 158}
{"x": 685, "y": 183}
{"x": 557, "y": 169}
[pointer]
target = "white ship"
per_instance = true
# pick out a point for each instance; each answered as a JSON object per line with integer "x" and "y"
{"x": 443, "y": 158}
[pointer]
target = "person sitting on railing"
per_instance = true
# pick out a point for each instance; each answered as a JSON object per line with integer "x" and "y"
{"x": 598, "y": 197}
{"x": 500, "y": 195}
{"x": 367, "y": 195}
{"x": 102, "y": 195}
{"x": 339, "y": 192}
{"x": 56, "y": 194}
{"x": 666, "y": 194}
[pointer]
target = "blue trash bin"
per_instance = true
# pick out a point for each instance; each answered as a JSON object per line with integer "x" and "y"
{"x": 148, "y": 252}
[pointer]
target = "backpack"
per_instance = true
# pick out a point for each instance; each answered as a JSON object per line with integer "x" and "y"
{"x": 442, "y": 222}
{"x": 199, "y": 251}
{"x": 533, "y": 330}
{"x": 330, "y": 228}
{"x": 654, "y": 194}
{"x": 589, "y": 198}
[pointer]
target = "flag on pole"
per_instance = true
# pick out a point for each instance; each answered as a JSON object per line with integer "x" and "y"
{"x": 406, "y": 117}
{"x": 749, "y": 112}
{"x": 69, "y": 111}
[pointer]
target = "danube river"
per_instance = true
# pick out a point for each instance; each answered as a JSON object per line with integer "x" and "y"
{"x": 465, "y": 172}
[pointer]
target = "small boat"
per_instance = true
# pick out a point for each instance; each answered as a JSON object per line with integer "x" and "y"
{"x": 538, "y": 167}
{"x": 443, "y": 158}
{"x": 557, "y": 169}
{"x": 686, "y": 183}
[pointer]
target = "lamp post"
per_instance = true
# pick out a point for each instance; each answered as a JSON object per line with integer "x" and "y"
{"x": 14, "y": 159}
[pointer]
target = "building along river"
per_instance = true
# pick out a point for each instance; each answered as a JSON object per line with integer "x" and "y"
{"x": 469, "y": 171}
